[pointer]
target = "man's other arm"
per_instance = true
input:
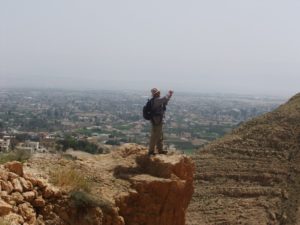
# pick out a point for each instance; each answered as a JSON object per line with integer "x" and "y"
{"x": 165, "y": 99}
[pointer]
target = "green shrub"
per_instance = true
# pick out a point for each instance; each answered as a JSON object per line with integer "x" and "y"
{"x": 83, "y": 145}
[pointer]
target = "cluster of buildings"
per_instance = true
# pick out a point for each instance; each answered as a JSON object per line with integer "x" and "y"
{"x": 110, "y": 117}
{"x": 6, "y": 145}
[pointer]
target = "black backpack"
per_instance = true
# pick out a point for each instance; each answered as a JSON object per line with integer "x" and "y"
{"x": 147, "y": 110}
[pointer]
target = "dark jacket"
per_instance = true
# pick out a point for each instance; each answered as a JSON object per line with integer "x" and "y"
{"x": 158, "y": 108}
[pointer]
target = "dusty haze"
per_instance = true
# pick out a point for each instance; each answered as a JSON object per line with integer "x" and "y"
{"x": 209, "y": 46}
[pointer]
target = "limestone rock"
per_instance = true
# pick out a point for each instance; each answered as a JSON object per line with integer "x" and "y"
{"x": 3, "y": 174}
{"x": 27, "y": 213}
{"x": 51, "y": 192}
{"x": 3, "y": 194}
{"x": 15, "y": 167}
{"x": 39, "y": 202}
{"x": 30, "y": 178}
{"x": 40, "y": 183}
{"x": 29, "y": 196}
{"x": 4, "y": 208}
{"x": 12, "y": 176}
{"x": 33, "y": 182}
{"x": 27, "y": 185}
{"x": 40, "y": 220}
{"x": 17, "y": 197}
{"x": 13, "y": 219}
{"x": 17, "y": 185}
{"x": 6, "y": 186}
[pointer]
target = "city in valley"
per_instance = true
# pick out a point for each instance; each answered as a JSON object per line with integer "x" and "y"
{"x": 96, "y": 121}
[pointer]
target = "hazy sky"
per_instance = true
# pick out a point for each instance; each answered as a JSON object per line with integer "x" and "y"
{"x": 205, "y": 46}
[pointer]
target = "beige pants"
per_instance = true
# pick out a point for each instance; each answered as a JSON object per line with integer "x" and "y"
{"x": 156, "y": 139}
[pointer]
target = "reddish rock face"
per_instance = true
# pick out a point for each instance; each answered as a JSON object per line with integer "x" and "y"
{"x": 15, "y": 167}
{"x": 4, "y": 208}
{"x": 160, "y": 200}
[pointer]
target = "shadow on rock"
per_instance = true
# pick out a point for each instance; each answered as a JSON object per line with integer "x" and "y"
{"x": 154, "y": 166}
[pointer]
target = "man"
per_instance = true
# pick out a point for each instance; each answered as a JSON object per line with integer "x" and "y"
{"x": 158, "y": 111}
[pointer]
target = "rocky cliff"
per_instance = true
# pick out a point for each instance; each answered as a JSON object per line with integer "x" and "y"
{"x": 125, "y": 187}
{"x": 251, "y": 176}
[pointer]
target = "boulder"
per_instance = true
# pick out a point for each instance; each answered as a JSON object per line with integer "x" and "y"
{"x": 5, "y": 208}
{"x": 35, "y": 181}
{"x": 51, "y": 192}
{"x": 29, "y": 196}
{"x": 27, "y": 213}
{"x": 27, "y": 185}
{"x": 17, "y": 197}
{"x": 6, "y": 186}
{"x": 3, "y": 194}
{"x": 15, "y": 167}
{"x": 17, "y": 185}
{"x": 32, "y": 180}
{"x": 12, "y": 176}
{"x": 41, "y": 183}
{"x": 13, "y": 219}
{"x": 39, "y": 202}
{"x": 3, "y": 174}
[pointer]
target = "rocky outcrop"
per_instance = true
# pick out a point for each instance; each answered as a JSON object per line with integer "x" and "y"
{"x": 162, "y": 189}
{"x": 18, "y": 195}
{"x": 251, "y": 176}
{"x": 128, "y": 188}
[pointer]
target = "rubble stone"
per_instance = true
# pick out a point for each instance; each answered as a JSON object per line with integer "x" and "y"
{"x": 15, "y": 167}
{"x": 4, "y": 208}
{"x": 17, "y": 185}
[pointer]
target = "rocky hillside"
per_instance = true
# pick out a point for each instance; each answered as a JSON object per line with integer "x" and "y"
{"x": 123, "y": 187}
{"x": 251, "y": 176}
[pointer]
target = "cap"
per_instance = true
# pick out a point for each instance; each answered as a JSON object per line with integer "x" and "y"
{"x": 154, "y": 91}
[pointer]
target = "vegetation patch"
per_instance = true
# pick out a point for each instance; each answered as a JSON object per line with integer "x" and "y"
{"x": 83, "y": 145}
{"x": 79, "y": 188}
{"x": 71, "y": 179}
{"x": 16, "y": 155}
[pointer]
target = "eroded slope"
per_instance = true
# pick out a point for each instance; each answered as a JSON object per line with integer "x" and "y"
{"x": 252, "y": 175}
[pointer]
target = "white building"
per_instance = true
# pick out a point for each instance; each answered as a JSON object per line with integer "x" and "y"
{"x": 30, "y": 146}
{"x": 4, "y": 144}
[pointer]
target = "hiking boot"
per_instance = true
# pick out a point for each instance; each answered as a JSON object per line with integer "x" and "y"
{"x": 163, "y": 152}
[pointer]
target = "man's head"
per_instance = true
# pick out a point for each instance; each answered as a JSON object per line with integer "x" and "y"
{"x": 155, "y": 92}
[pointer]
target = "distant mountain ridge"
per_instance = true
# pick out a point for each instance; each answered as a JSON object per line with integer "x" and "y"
{"x": 251, "y": 176}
